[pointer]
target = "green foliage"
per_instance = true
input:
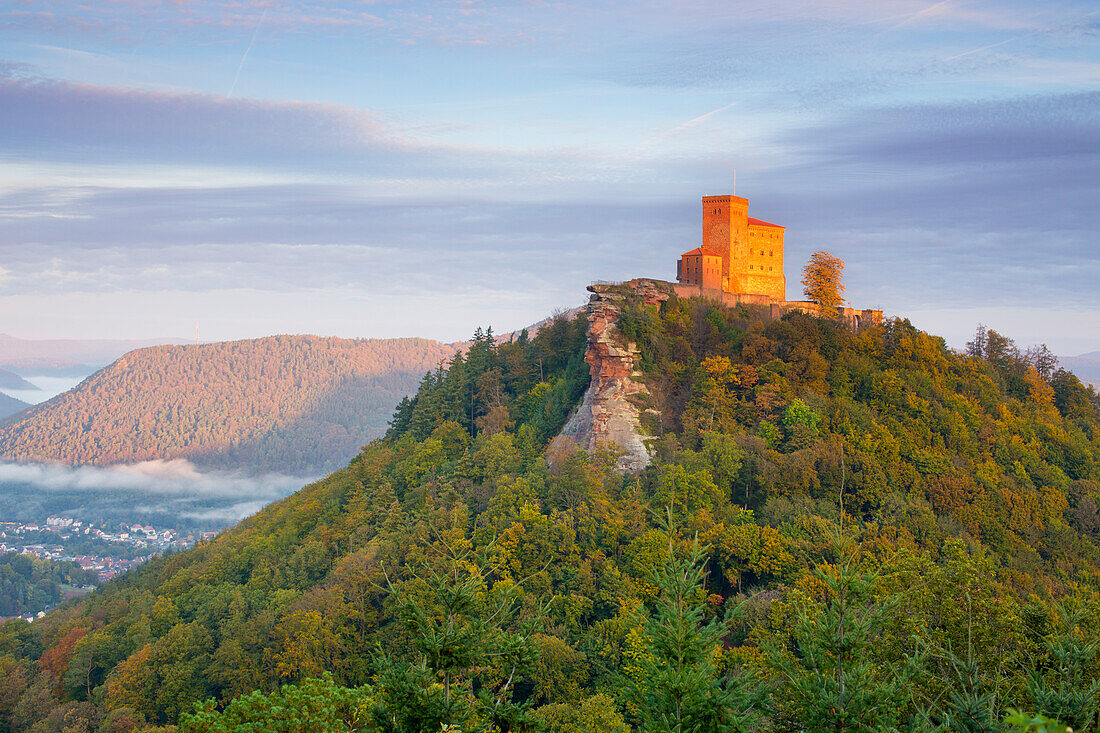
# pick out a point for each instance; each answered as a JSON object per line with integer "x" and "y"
{"x": 461, "y": 631}
{"x": 314, "y": 706}
{"x": 1064, "y": 683}
{"x": 30, "y": 584}
{"x": 1040, "y": 724}
{"x": 596, "y": 714}
{"x": 525, "y": 381}
{"x": 675, "y": 684}
{"x": 467, "y": 581}
{"x": 830, "y": 675}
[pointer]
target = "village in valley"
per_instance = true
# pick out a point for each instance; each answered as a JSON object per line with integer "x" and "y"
{"x": 108, "y": 550}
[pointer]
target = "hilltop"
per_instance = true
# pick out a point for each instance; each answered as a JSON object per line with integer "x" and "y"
{"x": 295, "y": 404}
{"x": 946, "y": 502}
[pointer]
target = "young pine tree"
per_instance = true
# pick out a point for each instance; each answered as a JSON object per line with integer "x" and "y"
{"x": 471, "y": 649}
{"x": 1063, "y": 685}
{"x": 679, "y": 687}
{"x": 827, "y": 677}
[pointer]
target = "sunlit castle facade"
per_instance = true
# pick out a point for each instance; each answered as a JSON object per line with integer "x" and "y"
{"x": 739, "y": 254}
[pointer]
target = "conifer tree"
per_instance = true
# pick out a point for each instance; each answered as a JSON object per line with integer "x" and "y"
{"x": 828, "y": 678}
{"x": 1063, "y": 685}
{"x": 472, "y": 649}
{"x": 679, "y": 687}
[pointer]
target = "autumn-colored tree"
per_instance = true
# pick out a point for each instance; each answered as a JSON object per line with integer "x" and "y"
{"x": 822, "y": 279}
{"x": 531, "y": 589}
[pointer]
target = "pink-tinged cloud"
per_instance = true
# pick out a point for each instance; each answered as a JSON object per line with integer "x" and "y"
{"x": 44, "y": 119}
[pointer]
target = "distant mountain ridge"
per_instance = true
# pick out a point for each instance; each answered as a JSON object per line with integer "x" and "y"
{"x": 295, "y": 404}
{"x": 76, "y": 356}
{"x": 11, "y": 380}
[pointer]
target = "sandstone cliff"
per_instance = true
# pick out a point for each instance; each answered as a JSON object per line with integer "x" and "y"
{"x": 608, "y": 415}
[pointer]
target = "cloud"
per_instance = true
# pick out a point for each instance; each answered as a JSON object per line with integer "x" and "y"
{"x": 984, "y": 131}
{"x": 1001, "y": 166}
{"x": 289, "y": 238}
{"x": 223, "y": 515}
{"x": 47, "y": 119}
{"x": 176, "y": 477}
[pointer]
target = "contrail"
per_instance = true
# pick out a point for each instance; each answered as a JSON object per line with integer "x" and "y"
{"x": 682, "y": 126}
{"x": 986, "y": 48}
{"x": 1007, "y": 40}
{"x": 245, "y": 55}
{"x": 931, "y": 9}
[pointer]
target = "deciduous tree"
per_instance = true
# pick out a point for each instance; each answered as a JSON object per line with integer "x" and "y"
{"x": 822, "y": 279}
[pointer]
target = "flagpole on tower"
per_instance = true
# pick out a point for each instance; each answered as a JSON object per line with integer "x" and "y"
{"x": 734, "y": 181}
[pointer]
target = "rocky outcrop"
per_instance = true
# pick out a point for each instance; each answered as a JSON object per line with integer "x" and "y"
{"x": 608, "y": 415}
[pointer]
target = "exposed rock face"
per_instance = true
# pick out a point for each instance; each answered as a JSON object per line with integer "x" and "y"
{"x": 607, "y": 415}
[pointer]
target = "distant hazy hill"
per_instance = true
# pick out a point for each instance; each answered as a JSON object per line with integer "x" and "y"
{"x": 11, "y": 380}
{"x": 9, "y": 405}
{"x": 77, "y": 356}
{"x": 1085, "y": 366}
{"x": 282, "y": 403}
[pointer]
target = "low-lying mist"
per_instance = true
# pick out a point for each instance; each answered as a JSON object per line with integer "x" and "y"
{"x": 171, "y": 492}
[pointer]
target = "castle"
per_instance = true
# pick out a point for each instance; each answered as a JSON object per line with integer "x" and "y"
{"x": 739, "y": 254}
{"x": 740, "y": 261}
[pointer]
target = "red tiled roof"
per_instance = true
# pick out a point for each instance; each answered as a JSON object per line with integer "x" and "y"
{"x": 701, "y": 251}
{"x": 762, "y": 223}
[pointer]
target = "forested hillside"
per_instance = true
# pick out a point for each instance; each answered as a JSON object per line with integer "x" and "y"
{"x": 839, "y": 531}
{"x": 30, "y": 584}
{"x": 284, "y": 403}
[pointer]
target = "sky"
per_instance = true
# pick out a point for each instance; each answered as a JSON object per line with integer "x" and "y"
{"x": 407, "y": 168}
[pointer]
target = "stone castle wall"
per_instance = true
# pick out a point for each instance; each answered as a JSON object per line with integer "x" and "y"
{"x": 853, "y": 316}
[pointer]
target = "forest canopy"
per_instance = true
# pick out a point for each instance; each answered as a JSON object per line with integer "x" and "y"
{"x": 839, "y": 531}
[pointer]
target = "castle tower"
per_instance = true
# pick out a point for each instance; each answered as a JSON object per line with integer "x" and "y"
{"x": 725, "y": 231}
{"x": 751, "y": 249}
